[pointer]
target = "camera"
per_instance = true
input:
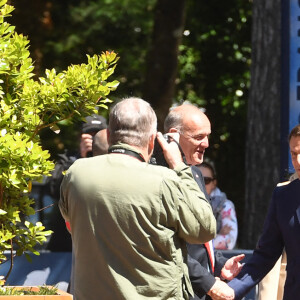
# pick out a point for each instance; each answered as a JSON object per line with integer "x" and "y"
{"x": 158, "y": 157}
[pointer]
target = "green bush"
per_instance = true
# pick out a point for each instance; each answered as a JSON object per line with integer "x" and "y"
{"x": 40, "y": 290}
{"x": 26, "y": 107}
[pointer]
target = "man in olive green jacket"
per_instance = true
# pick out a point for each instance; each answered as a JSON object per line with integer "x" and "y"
{"x": 130, "y": 220}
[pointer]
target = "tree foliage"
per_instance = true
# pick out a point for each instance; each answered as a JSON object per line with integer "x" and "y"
{"x": 62, "y": 32}
{"x": 162, "y": 58}
{"x": 214, "y": 72}
{"x": 213, "y": 63}
{"x": 26, "y": 107}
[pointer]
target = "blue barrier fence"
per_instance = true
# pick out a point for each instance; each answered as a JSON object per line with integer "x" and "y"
{"x": 54, "y": 268}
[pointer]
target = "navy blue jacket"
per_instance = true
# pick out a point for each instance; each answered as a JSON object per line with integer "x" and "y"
{"x": 281, "y": 230}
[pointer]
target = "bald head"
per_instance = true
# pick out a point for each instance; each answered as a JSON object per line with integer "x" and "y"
{"x": 180, "y": 116}
{"x": 194, "y": 128}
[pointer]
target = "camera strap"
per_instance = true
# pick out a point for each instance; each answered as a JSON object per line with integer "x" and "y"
{"x": 127, "y": 152}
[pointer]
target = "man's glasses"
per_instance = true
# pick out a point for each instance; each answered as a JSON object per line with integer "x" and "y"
{"x": 208, "y": 180}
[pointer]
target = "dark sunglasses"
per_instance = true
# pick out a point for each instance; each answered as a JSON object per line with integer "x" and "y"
{"x": 208, "y": 180}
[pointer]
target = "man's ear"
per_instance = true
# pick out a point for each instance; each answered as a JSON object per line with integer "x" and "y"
{"x": 151, "y": 143}
{"x": 172, "y": 130}
{"x": 107, "y": 136}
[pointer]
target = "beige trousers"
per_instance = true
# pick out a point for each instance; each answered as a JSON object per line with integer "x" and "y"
{"x": 272, "y": 285}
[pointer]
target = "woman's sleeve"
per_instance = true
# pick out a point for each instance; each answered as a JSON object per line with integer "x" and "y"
{"x": 227, "y": 236}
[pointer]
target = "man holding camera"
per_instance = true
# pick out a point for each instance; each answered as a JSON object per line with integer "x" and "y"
{"x": 194, "y": 129}
{"x": 60, "y": 240}
{"x": 130, "y": 220}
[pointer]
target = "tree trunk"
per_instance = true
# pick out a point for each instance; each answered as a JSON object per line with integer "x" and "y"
{"x": 263, "y": 132}
{"x": 162, "y": 58}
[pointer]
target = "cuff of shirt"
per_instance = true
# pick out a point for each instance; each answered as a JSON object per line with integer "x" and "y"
{"x": 180, "y": 167}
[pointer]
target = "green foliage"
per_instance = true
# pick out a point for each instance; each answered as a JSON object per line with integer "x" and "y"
{"x": 26, "y": 107}
{"x": 123, "y": 25}
{"x": 79, "y": 27}
{"x": 41, "y": 290}
{"x": 214, "y": 72}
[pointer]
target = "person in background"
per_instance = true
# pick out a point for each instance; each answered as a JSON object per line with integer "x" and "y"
{"x": 92, "y": 125}
{"x": 223, "y": 209}
{"x": 281, "y": 231}
{"x": 206, "y": 266}
{"x": 90, "y": 128}
{"x": 60, "y": 240}
{"x": 130, "y": 227}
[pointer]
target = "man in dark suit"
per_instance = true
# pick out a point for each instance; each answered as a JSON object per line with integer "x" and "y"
{"x": 204, "y": 264}
{"x": 281, "y": 230}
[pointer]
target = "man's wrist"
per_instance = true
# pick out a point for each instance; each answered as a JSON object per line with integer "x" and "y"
{"x": 223, "y": 278}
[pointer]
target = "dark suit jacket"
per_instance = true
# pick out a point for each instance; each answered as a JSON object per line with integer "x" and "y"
{"x": 281, "y": 229}
{"x": 198, "y": 260}
{"x": 201, "y": 277}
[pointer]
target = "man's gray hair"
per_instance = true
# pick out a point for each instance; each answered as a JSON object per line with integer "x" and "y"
{"x": 132, "y": 121}
{"x": 173, "y": 120}
{"x": 176, "y": 116}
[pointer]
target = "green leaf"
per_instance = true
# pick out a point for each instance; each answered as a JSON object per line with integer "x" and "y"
{"x": 27, "y": 107}
{"x": 28, "y": 257}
